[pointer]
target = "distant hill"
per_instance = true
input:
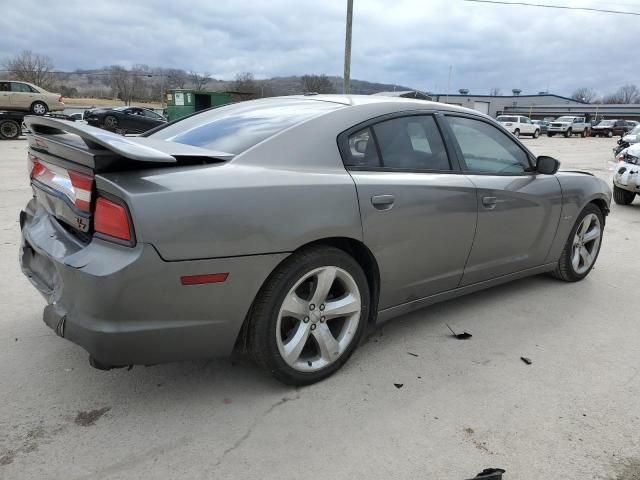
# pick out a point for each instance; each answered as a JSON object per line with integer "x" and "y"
{"x": 292, "y": 86}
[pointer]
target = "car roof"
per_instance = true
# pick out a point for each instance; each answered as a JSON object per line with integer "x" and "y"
{"x": 399, "y": 102}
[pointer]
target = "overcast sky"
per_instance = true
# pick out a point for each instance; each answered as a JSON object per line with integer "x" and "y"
{"x": 411, "y": 43}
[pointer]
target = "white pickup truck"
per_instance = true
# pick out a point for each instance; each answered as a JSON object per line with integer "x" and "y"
{"x": 568, "y": 125}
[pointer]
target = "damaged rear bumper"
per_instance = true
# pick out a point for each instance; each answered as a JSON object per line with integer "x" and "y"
{"x": 127, "y": 305}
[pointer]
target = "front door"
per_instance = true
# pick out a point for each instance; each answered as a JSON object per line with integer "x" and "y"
{"x": 518, "y": 209}
{"x": 418, "y": 211}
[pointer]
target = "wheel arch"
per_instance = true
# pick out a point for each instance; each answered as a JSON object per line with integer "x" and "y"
{"x": 356, "y": 249}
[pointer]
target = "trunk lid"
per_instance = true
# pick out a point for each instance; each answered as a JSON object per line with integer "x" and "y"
{"x": 64, "y": 158}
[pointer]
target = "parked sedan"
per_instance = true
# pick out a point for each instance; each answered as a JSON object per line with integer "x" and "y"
{"x": 28, "y": 97}
{"x": 609, "y": 128}
{"x": 289, "y": 226}
{"x": 124, "y": 119}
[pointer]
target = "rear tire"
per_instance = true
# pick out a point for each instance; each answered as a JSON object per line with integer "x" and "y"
{"x": 583, "y": 134}
{"x": 609, "y": 134}
{"x": 9, "y": 129}
{"x": 622, "y": 196}
{"x": 39, "y": 108}
{"x": 582, "y": 238}
{"x": 285, "y": 315}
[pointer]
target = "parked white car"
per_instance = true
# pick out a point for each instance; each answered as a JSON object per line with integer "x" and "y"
{"x": 519, "y": 125}
{"x": 626, "y": 181}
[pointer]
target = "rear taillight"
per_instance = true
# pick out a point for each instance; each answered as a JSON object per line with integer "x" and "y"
{"x": 61, "y": 99}
{"x": 112, "y": 219}
{"x": 76, "y": 186}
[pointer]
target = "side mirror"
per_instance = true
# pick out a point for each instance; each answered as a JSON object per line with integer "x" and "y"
{"x": 547, "y": 165}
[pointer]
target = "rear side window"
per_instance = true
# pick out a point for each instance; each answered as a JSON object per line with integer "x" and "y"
{"x": 486, "y": 149}
{"x": 20, "y": 87}
{"x": 236, "y": 128}
{"x": 412, "y": 143}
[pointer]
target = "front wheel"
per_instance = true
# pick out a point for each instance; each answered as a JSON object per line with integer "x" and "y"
{"x": 622, "y": 196}
{"x": 9, "y": 129}
{"x": 517, "y": 133}
{"x": 309, "y": 316}
{"x": 582, "y": 247}
{"x": 536, "y": 134}
{"x": 110, "y": 122}
{"x": 568, "y": 133}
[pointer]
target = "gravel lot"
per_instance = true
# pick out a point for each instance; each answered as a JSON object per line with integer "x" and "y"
{"x": 464, "y": 405}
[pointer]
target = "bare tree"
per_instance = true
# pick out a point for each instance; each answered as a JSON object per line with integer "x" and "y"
{"x": 199, "y": 81}
{"x": 176, "y": 77}
{"x": 246, "y": 84}
{"x": 317, "y": 84}
{"x": 495, "y": 92}
{"x": 584, "y": 94}
{"x": 31, "y": 67}
{"x": 124, "y": 83}
{"x": 625, "y": 94}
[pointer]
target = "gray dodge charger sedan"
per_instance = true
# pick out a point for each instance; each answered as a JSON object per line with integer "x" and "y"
{"x": 288, "y": 226}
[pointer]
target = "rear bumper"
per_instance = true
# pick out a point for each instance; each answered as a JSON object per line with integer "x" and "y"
{"x": 126, "y": 305}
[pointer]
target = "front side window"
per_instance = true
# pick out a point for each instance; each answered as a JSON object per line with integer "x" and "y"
{"x": 412, "y": 143}
{"x": 486, "y": 149}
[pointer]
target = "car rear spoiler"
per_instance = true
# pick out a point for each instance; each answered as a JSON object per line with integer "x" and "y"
{"x": 60, "y": 138}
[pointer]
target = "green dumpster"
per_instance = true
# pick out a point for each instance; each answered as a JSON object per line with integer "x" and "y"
{"x": 182, "y": 102}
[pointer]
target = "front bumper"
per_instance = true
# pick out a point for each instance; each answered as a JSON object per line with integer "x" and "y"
{"x": 627, "y": 177}
{"x": 557, "y": 129}
{"x": 126, "y": 305}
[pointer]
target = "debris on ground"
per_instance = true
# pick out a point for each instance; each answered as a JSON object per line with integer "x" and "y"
{"x": 490, "y": 474}
{"x": 413, "y": 354}
{"x": 89, "y": 418}
{"x": 460, "y": 336}
{"x": 398, "y": 385}
{"x": 526, "y": 360}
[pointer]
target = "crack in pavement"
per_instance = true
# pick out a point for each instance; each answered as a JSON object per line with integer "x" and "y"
{"x": 238, "y": 443}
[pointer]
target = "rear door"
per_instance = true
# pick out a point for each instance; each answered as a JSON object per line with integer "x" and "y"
{"x": 21, "y": 95}
{"x": 418, "y": 210}
{"x": 518, "y": 209}
{"x": 5, "y": 95}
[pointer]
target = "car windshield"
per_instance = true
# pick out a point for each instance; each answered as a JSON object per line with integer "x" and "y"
{"x": 606, "y": 123}
{"x": 507, "y": 119}
{"x": 235, "y": 128}
{"x": 565, "y": 119}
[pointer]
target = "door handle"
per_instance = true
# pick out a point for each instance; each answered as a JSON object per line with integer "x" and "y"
{"x": 489, "y": 202}
{"x": 383, "y": 202}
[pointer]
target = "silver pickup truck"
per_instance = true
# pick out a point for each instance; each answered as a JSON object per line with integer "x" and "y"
{"x": 568, "y": 125}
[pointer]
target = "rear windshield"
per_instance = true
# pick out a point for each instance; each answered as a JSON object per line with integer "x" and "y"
{"x": 507, "y": 119}
{"x": 236, "y": 128}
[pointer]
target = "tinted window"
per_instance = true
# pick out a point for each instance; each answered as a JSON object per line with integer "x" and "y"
{"x": 4, "y": 87}
{"x": 20, "y": 87}
{"x": 235, "y": 128}
{"x": 486, "y": 149}
{"x": 411, "y": 143}
{"x": 503, "y": 118}
{"x": 150, "y": 114}
{"x": 362, "y": 150}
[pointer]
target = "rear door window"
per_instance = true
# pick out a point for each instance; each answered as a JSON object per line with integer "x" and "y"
{"x": 20, "y": 87}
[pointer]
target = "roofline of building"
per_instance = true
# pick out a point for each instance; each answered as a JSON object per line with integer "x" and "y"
{"x": 507, "y": 96}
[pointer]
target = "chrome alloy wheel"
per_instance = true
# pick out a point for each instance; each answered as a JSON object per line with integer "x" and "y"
{"x": 586, "y": 242}
{"x": 39, "y": 109}
{"x": 318, "y": 319}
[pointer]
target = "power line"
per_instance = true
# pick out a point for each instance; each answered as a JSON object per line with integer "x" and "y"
{"x": 559, "y": 7}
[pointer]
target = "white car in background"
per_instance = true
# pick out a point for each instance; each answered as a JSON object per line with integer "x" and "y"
{"x": 519, "y": 125}
{"x": 626, "y": 179}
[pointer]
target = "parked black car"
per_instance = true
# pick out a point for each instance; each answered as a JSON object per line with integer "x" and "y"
{"x": 609, "y": 128}
{"x": 124, "y": 119}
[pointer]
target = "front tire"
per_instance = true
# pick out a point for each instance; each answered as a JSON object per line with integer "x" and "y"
{"x": 536, "y": 134}
{"x": 609, "y": 134}
{"x": 39, "y": 108}
{"x": 568, "y": 133}
{"x": 517, "y": 133}
{"x": 583, "y": 245}
{"x": 9, "y": 129}
{"x": 110, "y": 122}
{"x": 622, "y": 196}
{"x": 309, "y": 316}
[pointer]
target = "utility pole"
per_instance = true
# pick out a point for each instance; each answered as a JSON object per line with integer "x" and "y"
{"x": 346, "y": 86}
{"x": 449, "y": 83}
